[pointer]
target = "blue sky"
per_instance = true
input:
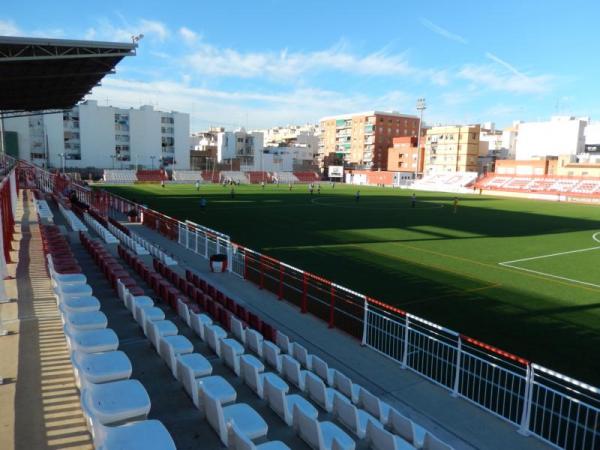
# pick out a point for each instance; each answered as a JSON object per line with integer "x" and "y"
{"x": 266, "y": 63}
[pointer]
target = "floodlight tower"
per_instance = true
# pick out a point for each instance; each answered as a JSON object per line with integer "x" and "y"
{"x": 421, "y": 106}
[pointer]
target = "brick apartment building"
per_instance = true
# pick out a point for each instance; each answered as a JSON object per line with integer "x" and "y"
{"x": 362, "y": 140}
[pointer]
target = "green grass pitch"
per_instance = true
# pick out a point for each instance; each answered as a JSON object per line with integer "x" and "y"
{"x": 428, "y": 260}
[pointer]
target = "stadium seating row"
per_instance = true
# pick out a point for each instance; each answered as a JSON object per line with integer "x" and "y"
{"x": 149, "y": 176}
{"x": 541, "y": 184}
{"x": 212, "y": 315}
{"x": 100, "y": 229}
{"x": 74, "y": 222}
{"x": 112, "y": 176}
{"x": 115, "y": 407}
{"x": 446, "y": 182}
{"x": 234, "y": 176}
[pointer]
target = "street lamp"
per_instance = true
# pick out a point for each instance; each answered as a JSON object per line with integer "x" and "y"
{"x": 152, "y": 158}
{"x": 421, "y": 106}
{"x": 113, "y": 157}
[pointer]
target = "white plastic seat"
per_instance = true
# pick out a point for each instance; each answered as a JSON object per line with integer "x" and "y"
{"x": 252, "y": 374}
{"x": 169, "y": 347}
{"x": 406, "y": 428}
{"x": 242, "y": 442}
{"x": 321, "y": 368}
{"x": 351, "y": 417}
{"x": 290, "y": 369}
{"x": 430, "y": 442}
{"x": 72, "y": 291}
{"x": 318, "y": 392}
{"x": 217, "y": 386}
{"x": 283, "y": 342}
{"x": 159, "y": 329}
{"x": 92, "y": 341}
{"x": 100, "y": 367}
{"x": 115, "y": 402}
{"x": 238, "y": 330}
{"x": 320, "y": 435}
{"x": 121, "y": 290}
{"x": 254, "y": 341}
{"x": 213, "y": 335}
{"x": 91, "y": 320}
{"x": 198, "y": 322}
{"x": 380, "y": 439}
{"x": 248, "y": 422}
{"x": 343, "y": 384}
{"x": 271, "y": 355}
{"x": 283, "y": 404}
{"x": 183, "y": 311}
{"x": 68, "y": 278}
{"x": 370, "y": 403}
{"x": 143, "y": 435}
{"x": 190, "y": 367}
{"x": 80, "y": 304}
{"x": 300, "y": 353}
{"x": 148, "y": 315}
{"x": 137, "y": 303}
{"x": 230, "y": 354}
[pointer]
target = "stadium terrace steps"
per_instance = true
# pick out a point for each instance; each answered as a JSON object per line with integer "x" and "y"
{"x": 189, "y": 176}
{"x": 151, "y": 176}
{"x": 455, "y": 421}
{"x": 446, "y": 182}
{"x": 234, "y": 176}
{"x": 112, "y": 176}
{"x": 541, "y": 184}
{"x": 307, "y": 177}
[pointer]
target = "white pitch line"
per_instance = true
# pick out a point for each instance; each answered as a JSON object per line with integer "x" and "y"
{"x": 550, "y": 275}
{"x": 549, "y": 256}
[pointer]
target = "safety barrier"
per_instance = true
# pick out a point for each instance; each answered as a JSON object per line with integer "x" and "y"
{"x": 561, "y": 411}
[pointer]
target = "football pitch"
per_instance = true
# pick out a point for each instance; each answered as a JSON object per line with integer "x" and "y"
{"x": 521, "y": 275}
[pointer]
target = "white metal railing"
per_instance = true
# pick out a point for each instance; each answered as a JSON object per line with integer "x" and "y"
{"x": 559, "y": 410}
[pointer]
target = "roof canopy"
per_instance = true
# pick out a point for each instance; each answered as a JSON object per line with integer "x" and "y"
{"x": 41, "y": 74}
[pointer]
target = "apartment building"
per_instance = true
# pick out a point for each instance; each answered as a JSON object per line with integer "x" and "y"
{"x": 90, "y": 135}
{"x": 452, "y": 149}
{"x": 403, "y": 156}
{"x": 561, "y": 135}
{"x": 362, "y": 140}
{"x": 241, "y": 145}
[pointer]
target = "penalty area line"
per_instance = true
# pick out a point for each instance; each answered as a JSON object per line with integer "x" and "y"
{"x": 504, "y": 263}
{"x": 571, "y": 280}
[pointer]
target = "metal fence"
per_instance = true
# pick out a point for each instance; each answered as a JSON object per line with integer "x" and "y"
{"x": 561, "y": 411}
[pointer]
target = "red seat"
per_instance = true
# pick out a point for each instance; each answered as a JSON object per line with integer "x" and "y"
{"x": 188, "y": 275}
{"x": 254, "y": 321}
{"x": 231, "y": 305}
{"x": 242, "y": 313}
{"x": 268, "y": 332}
{"x": 211, "y": 308}
{"x": 172, "y": 295}
{"x": 220, "y": 297}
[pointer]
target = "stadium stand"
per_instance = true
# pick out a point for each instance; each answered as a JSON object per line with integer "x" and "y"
{"x": 119, "y": 176}
{"x": 541, "y": 184}
{"x": 187, "y": 176}
{"x": 151, "y": 176}
{"x": 211, "y": 176}
{"x": 307, "y": 177}
{"x": 284, "y": 177}
{"x": 258, "y": 177}
{"x": 446, "y": 182}
{"x": 234, "y": 176}
{"x": 115, "y": 407}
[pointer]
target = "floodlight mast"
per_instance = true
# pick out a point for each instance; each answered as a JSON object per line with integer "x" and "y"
{"x": 421, "y": 106}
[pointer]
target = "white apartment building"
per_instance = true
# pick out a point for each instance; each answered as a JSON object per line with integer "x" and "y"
{"x": 498, "y": 144}
{"x": 561, "y": 135}
{"x": 292, "y": 134}
{"x": 240, "y": 144}
{"x": 90, "y": 135}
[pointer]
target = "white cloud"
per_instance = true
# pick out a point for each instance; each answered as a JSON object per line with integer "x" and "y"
{"x": 9, "y": 28}
{"x": 443, "y": 32}
{"x": 285, "y": 65}
{"x": 106, "y": 30}
{"x": 188, "y": 35}
{"x": 230, "y": 108}
{"x": 508, "y": 80}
